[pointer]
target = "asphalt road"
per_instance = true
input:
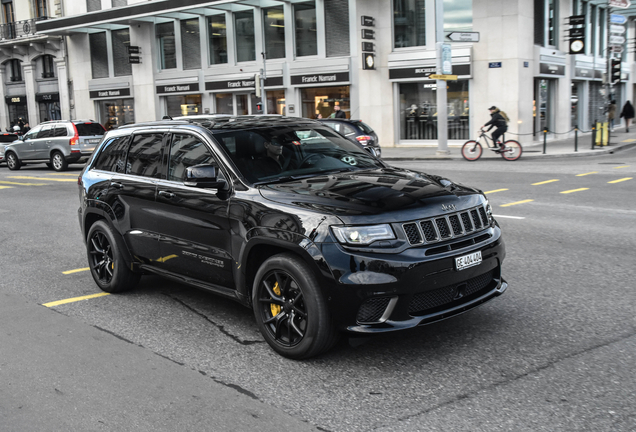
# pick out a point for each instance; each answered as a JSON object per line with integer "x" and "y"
{"x": 556, "y": 352}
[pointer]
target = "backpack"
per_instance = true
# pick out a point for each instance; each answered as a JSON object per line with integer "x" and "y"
{"x": 505, "y": 116}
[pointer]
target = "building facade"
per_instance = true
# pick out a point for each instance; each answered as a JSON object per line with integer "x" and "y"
{"x": 131, "y": 61}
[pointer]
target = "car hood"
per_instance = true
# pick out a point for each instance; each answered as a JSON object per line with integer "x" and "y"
{"x": 381, "y": 191}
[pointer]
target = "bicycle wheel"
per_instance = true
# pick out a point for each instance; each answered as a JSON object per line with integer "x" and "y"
{"x": 471, "y": 150}
{"x": 512, "y": 150}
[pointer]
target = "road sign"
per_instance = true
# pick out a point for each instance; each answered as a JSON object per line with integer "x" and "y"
{"x": 447, "y": 60}
{"x": 617, "y": 19}
{"x": 616, "y": 40}
{"x": 577, "y": 20}
{"x": 620, "y": 3}
{"x": 443, "y": 77}
{"x": 616, "y": 49}
{"x": 617, "y": 29}
{"x": 463, "y": 36}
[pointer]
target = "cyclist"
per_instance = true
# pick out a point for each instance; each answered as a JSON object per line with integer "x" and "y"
{"x": 498, "y": 120}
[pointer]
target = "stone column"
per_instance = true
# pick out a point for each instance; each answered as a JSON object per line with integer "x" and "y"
{"x": 31, "y": 89}
{"x": 4, "y": 113}
{"x": 143, "y": 75}
{"x": 62, "y": 85}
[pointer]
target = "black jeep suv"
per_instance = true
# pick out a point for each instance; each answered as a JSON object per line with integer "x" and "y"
{"x": 289, "y": 218}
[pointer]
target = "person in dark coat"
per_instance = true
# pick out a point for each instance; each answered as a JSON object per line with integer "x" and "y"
{"x": 498, "y": 121}
{"x": 627, "y": 113}
{"x": 338, "y": 113}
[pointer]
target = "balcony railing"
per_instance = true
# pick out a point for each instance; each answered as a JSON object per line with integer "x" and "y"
{"x": 18, "y": 29}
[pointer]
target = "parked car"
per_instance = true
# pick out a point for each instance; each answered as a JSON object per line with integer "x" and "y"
{"x": 5, "y": 139}
{"x": 356, "y": 131}
{"x": 291, "y": 219}
{"x": 56, "y": 143}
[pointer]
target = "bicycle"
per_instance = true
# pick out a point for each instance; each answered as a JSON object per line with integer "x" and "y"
{"x": 472, "y": 149}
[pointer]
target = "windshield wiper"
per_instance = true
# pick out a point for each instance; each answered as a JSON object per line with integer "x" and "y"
{"x": 284, "y": 179}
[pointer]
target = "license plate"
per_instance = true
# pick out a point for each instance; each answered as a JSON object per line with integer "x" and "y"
{"x": 466, "y": 261}
{"x": 94, "y": 141}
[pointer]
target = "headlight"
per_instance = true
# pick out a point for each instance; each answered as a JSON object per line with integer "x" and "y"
{"x": 488, "y": 210}
{"x": 363, "y": 235}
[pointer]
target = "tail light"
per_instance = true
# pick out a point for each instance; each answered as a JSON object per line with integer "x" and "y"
{"x": 364, "y": 139}
{"x": 74, "y": 141}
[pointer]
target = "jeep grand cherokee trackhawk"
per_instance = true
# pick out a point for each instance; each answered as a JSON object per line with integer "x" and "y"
{"x": 289, "y": 218}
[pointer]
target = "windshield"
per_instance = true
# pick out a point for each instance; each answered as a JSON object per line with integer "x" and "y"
{"x": 281, "y": 153}
{"x": 90, "y": 129}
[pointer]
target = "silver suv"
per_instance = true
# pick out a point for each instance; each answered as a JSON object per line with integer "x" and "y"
{"x": 56, "y": 143}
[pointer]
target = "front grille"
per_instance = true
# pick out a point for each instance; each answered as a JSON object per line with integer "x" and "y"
{"x": 372, "y": 309}
{"x": 425, "y": 302}
{"x": 446, "y": 227}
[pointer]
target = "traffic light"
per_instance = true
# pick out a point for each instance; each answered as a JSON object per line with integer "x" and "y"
{"x": 259, "y": 107}
{"x": 615, "y": 71}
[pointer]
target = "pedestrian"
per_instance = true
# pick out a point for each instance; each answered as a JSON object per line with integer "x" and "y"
{"x": 627, "y": 113}
{"x": 498, "y": 120}
{"x": 611, "y": 114}
{"x": 25, "y": 128}
{"x": 337, "y": 112}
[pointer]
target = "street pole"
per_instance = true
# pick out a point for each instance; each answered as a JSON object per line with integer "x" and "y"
{"x": 263, "y": 93}
{"x": 442, "y": 115}
{"x": 608, "y": 67}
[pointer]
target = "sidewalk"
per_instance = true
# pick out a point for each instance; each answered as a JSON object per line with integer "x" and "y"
{"x": 619, "y": 139}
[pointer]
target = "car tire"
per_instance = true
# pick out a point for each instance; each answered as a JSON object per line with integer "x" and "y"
{"x": 13, "y": 162}
{"x": 290, "y": 310}
{"x": 107, "y": 266}
{"x": 58, "y": 162}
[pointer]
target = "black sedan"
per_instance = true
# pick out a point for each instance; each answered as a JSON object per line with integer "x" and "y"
{"x": 356, "y": 131}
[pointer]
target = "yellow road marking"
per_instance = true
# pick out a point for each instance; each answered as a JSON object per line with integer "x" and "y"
{"x": 74, "y": 299}
{"x": 6, "y": 187}
{"x": 496, "y": 190}
{"x": 76, "y": 270}
{"x": 40, "y": 178}
{"x": 629, "y": 140}
{"x": 620, "y": 180}
{"x": 574, "y": 190}
{"x": 624, "y": 166}
{"x": 23, "y": 184}
{"x": 581, "y": 175}
{"x": 515, "y": 203}
{"x": 66, "y": 174}
{"x": 545, "y": 182}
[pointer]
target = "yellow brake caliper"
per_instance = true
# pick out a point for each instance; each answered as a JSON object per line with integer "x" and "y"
{"x": 274, "y": 307}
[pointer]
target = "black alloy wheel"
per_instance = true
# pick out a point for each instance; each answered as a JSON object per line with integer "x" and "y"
{"x": 290, "y": 310}
{"x": 13, "y": 162}
{"x": 105, "y": 260}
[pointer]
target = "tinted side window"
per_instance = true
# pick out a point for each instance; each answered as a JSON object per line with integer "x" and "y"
{"x": 348, "y": 130}
{"x": 365, "y": 127}
{"x": 113, "y": 155}
{"x": 33, "y": 133}
{"x": 60, "y": 131}
{"x": 90, "y": 129}
{"x": 185, "y": 151}
{"x": 144, "y": 155}
{"x": 45, "y": 132}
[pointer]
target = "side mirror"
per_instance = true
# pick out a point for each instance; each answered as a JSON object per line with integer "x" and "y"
{"x": 204, "y": 176}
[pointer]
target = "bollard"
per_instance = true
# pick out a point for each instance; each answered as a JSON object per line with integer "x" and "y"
{"x": 545, "y": 137}
{"x": 593, "y": 134}
{"x": 576, "y": 138}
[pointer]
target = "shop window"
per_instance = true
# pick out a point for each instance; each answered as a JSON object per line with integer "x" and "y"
{"x": 116, "y": 112}
{"x": 166, "y": 46}
{"x": 458, "y": 16}
{"x": 48, "y": 66}
{"x": 183, "y": 105}
{"x": 217, "y": 35}
{"x": 276, "y": 102}
{"x": 121, "y": 42}
{"x": 305, "y": 29}
{"x": 274, "y": 30}
{"x": 15, "y": 70}
{"x": 418, "y": 110}
{"x": 337, "y": 28}
{"x": 322, "y": 100}
{"x": 191, "y": 44}
{"x": 99, "y": 55}
{"x": 50, "y": 111}
{"x": 409, "y": 23}
{"x": 245, "y": 44}
{"x": 224, "y": 104}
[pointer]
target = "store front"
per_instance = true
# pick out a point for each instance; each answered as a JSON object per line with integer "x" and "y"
{"x": 238, "y": 97}
{"x": 417, "y": 115}
{"x": 180, "y": 99}
{"x": 321, "y": 99}
{"x": 49, "y": 106}
{"x": 17, "y": 108}
{"x": 114, "y": 107}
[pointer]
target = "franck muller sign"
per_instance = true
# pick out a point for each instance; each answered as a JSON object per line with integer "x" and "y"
{"x": 320, "y": 78}
{"x": 178, "y": 88}
{"x": 109, "y": 93}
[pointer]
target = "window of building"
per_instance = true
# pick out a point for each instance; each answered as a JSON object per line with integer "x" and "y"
{"x": 191, "y": 44}
{"x": 93, "y": 5}
{"x": 409, "y": 23}
{"x": 99, "y": 55}
{"x": 144, "y": 155}
{"x": 337, "y": 28}
{"x": 15, "y": 70}
{"x": 116, "y": 112}
{"x": 245, "y": 43}
{"x": 48, "y": 66}
{"x": 217, "y": 35}
{"x": 41, "y": 10}
{"x": 274, "y": 32}
{"x": 322, "y": 100}
{"x": 553, "y": 23}
{"x": 183, "y": 105}
{"x": 276, "y": 102}
{"x": 121, "y": 42}
{"x": 305, "y": 29}
{"x": 224, "y": 103}
{"x": 50, "y": 111}
{"x": 118, "y": 3}
{"x": 166, "y": 45}
{"x": 418, "y": 110}
{"x": 458, "y": 16}
{"x": 186, "y": 151}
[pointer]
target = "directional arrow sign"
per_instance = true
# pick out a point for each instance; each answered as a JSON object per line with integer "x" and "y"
{"x": 617, "y": 29}
{"x": 617, "y": 19}
{"x": 616, "y": 40}
{"x": 443, "y": 77}
{"x": 620, "y": 3}
{"x": 463, "y": 36}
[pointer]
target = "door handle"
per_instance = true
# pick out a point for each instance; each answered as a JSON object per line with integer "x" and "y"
{"x": 117, "y": 185}
{"x": 167, "y": 194}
